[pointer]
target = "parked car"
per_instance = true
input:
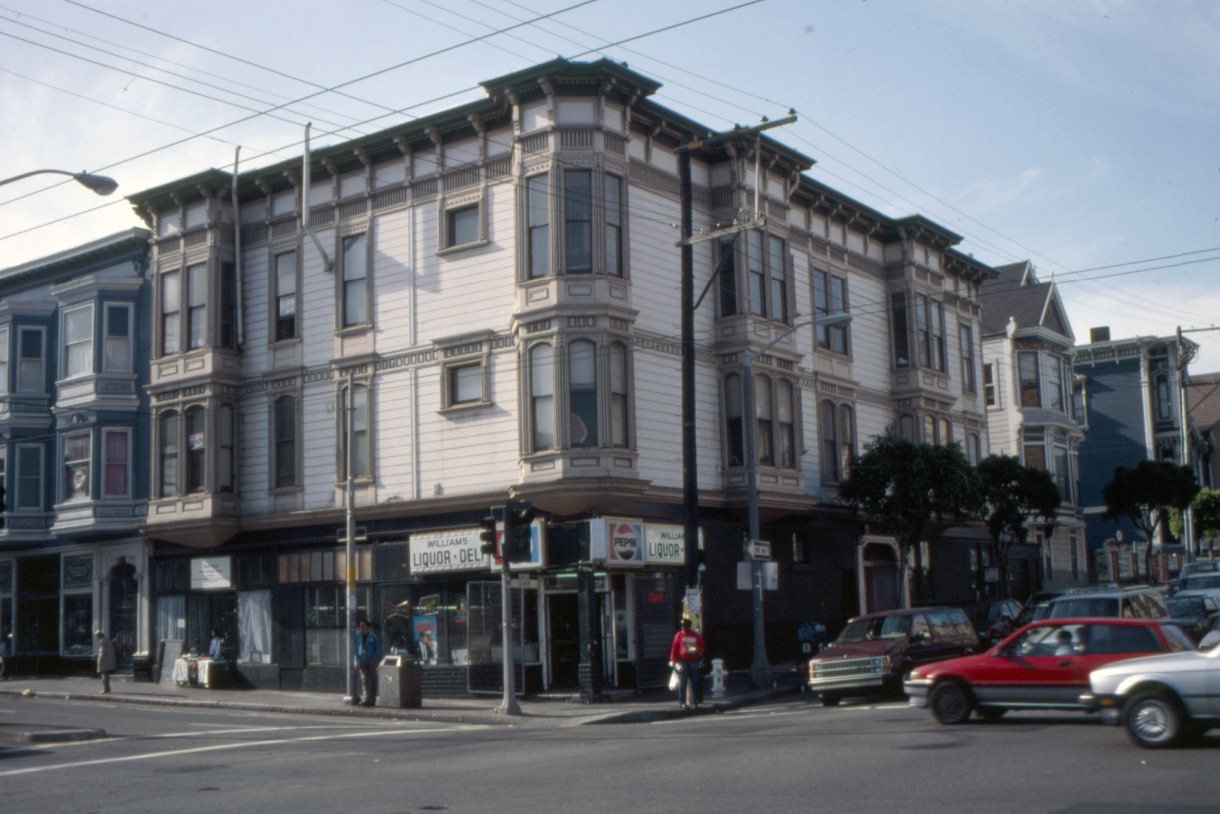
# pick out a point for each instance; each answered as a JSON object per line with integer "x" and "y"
{"x": 1159, "y": 699}
{"x": 1127, "y": 603}
{"x": 1036, "y": 607}
{"x": 1192, "y": 568}
{"x": 1044, "y": 665}
{"x": 1201, "y": 584}
{"x": 1194, "y": 613}
{"x": 874, "y": 652}
{"x": 994, "y": 619}
{"x": 1211, "y": 638}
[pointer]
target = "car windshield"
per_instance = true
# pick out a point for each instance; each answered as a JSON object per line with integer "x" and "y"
{"x": 884, "y": 627}
{"x": 1084, "y": 606}
{"x": 1201, "y": 582}
{"x": 1186, "y": 605}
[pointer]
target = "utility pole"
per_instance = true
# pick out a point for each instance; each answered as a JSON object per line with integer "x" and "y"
{"x": 349, "y": 408}
{"x": 690, "y": 473}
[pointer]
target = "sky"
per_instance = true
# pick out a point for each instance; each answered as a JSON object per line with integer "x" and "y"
{"x": 1083, "y": 136}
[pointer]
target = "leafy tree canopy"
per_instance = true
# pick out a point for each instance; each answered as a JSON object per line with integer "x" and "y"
{"x": 1144, "y": 492}
{"x": 1013, "y": 494}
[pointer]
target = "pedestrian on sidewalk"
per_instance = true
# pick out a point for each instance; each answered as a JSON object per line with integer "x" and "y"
{"x": 106, "y": 660}
{"x": 685, "y": 654}
{"x": 366, "y": 655}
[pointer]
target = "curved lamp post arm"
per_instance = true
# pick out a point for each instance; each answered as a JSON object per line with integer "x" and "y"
{"x": 100, "y": 184}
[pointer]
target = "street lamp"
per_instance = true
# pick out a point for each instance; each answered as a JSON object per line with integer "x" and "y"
{"x": 760, "y": 669}
{"x": 100, "y": 184}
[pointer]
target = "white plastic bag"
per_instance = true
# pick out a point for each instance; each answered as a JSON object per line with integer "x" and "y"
{"x": 673, "y": 679}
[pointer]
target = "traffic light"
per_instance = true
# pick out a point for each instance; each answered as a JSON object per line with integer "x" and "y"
{"x": 518, "y": 515}
{"x": 487, "y": 533}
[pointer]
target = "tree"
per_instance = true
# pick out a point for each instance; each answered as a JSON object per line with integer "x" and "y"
{"x": 1013, "y": 495}
{"x": 1145, "y": 493}
{"x": 1207, "y": 519}
{"x": 913, "y": 491}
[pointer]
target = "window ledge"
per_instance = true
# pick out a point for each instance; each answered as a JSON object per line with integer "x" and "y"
{"x": 458, "y": 249}
{"x": 464, "y": 407}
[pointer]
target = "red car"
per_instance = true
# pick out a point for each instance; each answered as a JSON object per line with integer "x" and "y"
{"x": 1044, "y": 665}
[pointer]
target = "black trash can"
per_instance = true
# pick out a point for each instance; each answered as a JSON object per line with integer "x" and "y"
{"x": 398, "y": 683}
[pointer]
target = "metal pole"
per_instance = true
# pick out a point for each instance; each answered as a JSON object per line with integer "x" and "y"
{"x": 760, "y": 668}
{"x": 350, "y": 531}
{"x": 690, "y": 472}
{"x": 508, "y": 704}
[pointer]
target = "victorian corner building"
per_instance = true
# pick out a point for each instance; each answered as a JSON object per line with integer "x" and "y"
{"x": 483, "y": 305}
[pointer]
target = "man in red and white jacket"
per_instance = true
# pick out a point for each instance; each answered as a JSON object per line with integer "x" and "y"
{"x": 685, "y": 653}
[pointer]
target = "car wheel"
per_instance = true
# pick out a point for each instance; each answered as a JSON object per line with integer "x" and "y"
{"x": 949, "y": 702}
{"x": 1154, "y": 720}
{"x": 829, "y": 700}
{"x": 992, "y": 714}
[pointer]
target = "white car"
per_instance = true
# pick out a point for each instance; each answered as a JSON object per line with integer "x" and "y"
{"x": 1158, "y": 699}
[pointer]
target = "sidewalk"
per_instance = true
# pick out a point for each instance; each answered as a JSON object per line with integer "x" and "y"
{"x": 554, "y": 710}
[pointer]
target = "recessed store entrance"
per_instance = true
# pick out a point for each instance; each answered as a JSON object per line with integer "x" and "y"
{"x": 563, "y": 620}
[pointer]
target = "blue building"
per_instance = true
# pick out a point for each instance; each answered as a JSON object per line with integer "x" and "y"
{"x": 1134, "y": 392}
{"x": 74, "y": 344}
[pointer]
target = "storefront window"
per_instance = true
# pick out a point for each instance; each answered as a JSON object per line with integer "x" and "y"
{"x": 78, "y": 624}
{"x": 254, "y": 627}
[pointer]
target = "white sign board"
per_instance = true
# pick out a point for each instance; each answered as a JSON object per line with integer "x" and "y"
{"x": 211, "y": 573}
{"x": 663, "y": 545}
{"x": 758, "y": 550}
{"x": 459, "y": 550}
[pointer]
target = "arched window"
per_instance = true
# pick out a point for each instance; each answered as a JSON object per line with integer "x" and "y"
{"x": 785, "y": 429}
{"x": 169, "y": 453}
{"x": 733, "y": 437}
{"x": 906, "y": 426}
{"x": 196, "y": 449}
{"x": 582, "y": 392}
{"x": 764, "y": 415}
{"x": 828, "y": 426}
{"x": 542, "y": 398}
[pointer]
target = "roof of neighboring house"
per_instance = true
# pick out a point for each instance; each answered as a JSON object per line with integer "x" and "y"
{"x": 1016, "y": 293}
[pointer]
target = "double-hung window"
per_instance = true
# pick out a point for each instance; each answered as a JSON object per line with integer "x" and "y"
{"x": 462, "y": 226}
{"x": 171, "y": 312}
{"x": 965, "y": 335}
{"x": 578, "y": 221}
{"x": 777, "y": 268}
{"x": 169, "y": 447}
{"x": 29, "y": 477}
{"x": 830, "y": 297}
{"x": 837, "y": 426}
{"x": 767, "y": 275}
{"x": 78, "y": 340}
{"x": 582, "y": 392}
{"x": 614, "y": 225}
{"x": 542, "y": 397}
{"x": 197, "y": 305}
{"x": 901, "y": 328}
{"x": 756, "y": 273}
{"x": 285, "y": 432}
{"x": 196, "y": 448}
{"x": 1028, "y": 378}
{"x": 31, "y": 367}
{"x": 285, "y": 296}
{"x": 930, "y": 327}
{"x": 734, "y": 436}
{"x": 355, "y": 291}
{"x": 538, "y": 225}
{"x": 116, "y": 352}
{"x": 116, "y": 463}
{"x": 4, "y": 354}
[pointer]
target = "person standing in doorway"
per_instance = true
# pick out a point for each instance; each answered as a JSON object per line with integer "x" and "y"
{"x": 106, "y": 659}
{"x": 216, "y": 645}
{"x": 685, "y": 653}
{"x": 366, "y": 655}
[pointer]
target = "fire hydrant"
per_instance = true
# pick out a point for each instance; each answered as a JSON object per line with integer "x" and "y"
{"x": 718, "y": 678}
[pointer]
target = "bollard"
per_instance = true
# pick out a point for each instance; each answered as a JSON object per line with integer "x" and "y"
{"x": 718, "y": 678}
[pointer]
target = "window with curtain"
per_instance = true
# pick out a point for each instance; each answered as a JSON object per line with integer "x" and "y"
{"x": 847, "y": 439}
{"x": 355, "y": 280}
{"x": 254, "y": 627}
{"x": 196, "y": 448}
{"x": 168, "y": 432}
{"x": 78, "y": 341}
{"x": 582, "y": 392}
{"x": 116, "y": 463}
{"x": 542, "y": 398}
{"x": 538, "y": 224}
{"x": 76, "y": 466}
{"x": 285, "y": 296}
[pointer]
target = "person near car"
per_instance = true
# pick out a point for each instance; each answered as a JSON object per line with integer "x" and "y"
{"x": 685, "y": 653}
{"x": 106, "y": 659}
{"x": 366, "y": 655}
{"x": 215, "y": 645}
{"x": 1063, "y": 644}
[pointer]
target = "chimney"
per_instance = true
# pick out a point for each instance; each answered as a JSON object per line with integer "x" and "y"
{"x": 1101, "y": 334}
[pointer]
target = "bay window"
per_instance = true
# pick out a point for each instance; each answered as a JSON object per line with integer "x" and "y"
{"x": 78, "y": 340}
